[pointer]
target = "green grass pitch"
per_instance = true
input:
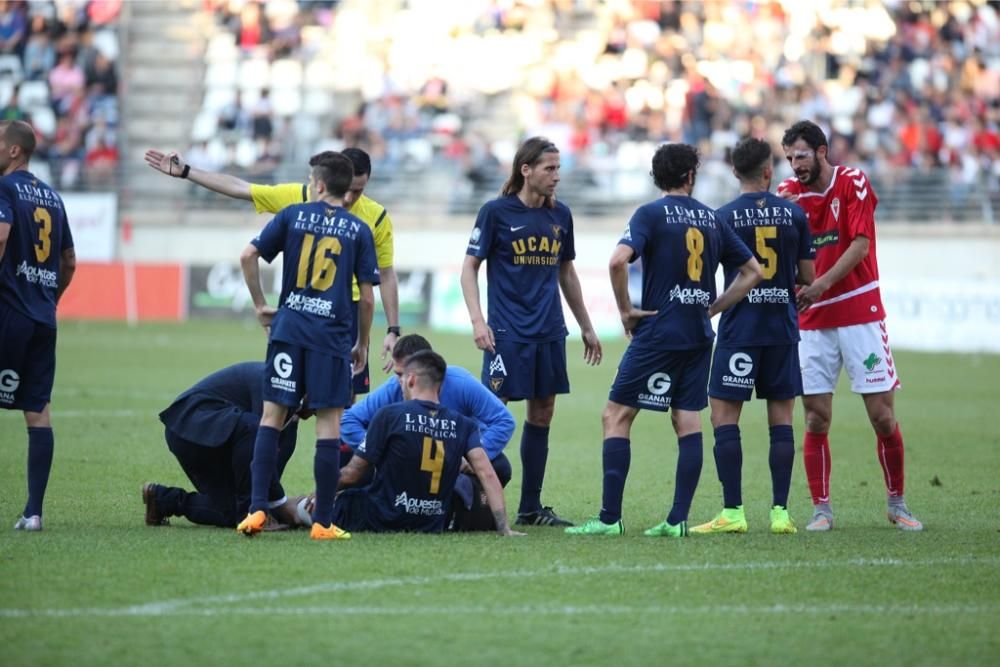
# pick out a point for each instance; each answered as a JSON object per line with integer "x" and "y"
{"x": 97, "y": 587}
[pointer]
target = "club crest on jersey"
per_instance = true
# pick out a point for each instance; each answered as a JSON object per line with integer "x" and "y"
{"x": 497, "y": 366}
{"x": 556, "y": 231}
{"x": 835, "y": 208}
{"x": 761, "y": 202}
{"x": 495, "y": 384}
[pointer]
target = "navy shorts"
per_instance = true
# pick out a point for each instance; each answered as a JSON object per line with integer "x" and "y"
{"x": 361, "y": 382}
{"x": 526, "y": 370}
{"x": 27, "y": 361}
{"x": 772, "y": 369}
{"x": 292, "y": 372}
{"x": 653, "y": 379}
{"x": 351, "y": 509}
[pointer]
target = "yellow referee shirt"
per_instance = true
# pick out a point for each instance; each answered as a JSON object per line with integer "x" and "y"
{"x": 273, "y": 198}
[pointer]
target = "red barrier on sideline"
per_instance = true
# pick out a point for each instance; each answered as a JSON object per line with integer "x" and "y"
{"x": 102, "y": 291}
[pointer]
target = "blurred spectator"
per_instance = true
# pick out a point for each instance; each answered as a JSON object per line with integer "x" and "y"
{"x": 39, "y": 54}
{"x": 100, "y": 162}
{"x": 66, "y": 81}
{"x": 261, "y": 121}
{"x": 13, "y": 27}
{"x": 101, "y": 78}
{"x": 12, "y": 110}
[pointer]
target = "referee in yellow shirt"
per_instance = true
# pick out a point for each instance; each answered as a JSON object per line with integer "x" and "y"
{"x": 273, "y": 198}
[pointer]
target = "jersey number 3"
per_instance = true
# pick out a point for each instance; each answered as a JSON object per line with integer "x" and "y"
{"x": 324, "y": 268}
{"x": 44, "y": 247}
{"x": 432, "y": 461}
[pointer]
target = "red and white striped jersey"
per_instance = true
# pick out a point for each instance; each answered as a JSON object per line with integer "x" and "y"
{"x": 837, "y": 216}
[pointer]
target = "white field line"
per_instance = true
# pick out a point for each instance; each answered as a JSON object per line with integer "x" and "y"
{"x": 544, "y": 610}
{"x": 196, "y": 605}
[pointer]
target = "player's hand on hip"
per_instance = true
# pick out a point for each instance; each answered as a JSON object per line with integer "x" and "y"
{"x": 632, "y": 317}
{"x": 265, "y": 315}
{"x": 388, "y": 343}
{"x": 592, "y": 352}
{"x": 483, "y": 335}
{"x": 359, "y": 357}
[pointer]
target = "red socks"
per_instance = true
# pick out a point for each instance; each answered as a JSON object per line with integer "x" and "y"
{"x": 890, "y": 456}
{"x": 816, "y": 455}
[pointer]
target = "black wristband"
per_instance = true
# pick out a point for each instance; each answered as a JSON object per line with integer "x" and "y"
{"x": 393, "y": 330}
{"x": 185, "y": 171}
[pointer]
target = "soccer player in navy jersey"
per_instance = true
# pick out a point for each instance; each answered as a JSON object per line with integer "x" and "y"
{"x": 37, "y": 262}
{"x": 310, "y": 348}
{"x": 460, "y": 391}
{"x": 211, "y": 429}
{"x": 758, "y": 338}
{"x": 667, "y": 361}
{"x": 526, "y": 236}
{"x": 416, "y": 447}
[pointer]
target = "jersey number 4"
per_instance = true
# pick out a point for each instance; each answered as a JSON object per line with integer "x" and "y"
{"x": 324, "y": 268}
{"x": 432, "y": 461}
{"x": 44, "y": 247}
{"x": 768, "y": 256}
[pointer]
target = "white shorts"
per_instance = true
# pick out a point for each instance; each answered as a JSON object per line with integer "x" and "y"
{"x": 863, "y": 349}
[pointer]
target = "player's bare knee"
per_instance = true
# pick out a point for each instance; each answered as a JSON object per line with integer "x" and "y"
{"x": 540, "y": 413}
{"x": 38, "y": 419}
{"x": 817, "y": 422}
{"x": 614, "y": 420}
{"x": 883, "y": 421}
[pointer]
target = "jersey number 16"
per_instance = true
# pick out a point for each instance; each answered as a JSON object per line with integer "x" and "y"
{"x": 324, "y": 268}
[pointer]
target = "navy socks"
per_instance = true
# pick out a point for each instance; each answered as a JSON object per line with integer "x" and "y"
{"x": 617, "y": 457}
{"x": 41, "y": 443}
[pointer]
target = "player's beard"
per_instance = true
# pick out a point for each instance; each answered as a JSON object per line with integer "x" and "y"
{"x": 811, "y": 176}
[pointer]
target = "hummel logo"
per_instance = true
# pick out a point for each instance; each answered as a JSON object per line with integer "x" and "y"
{"x": 514, "y": 229}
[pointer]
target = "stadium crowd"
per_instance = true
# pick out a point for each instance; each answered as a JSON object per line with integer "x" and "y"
{"x": 894, "y": 84}
{"x": 58, "y": 71}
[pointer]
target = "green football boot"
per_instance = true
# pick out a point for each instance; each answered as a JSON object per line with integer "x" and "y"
{"x": 594, "y": 526}
{"x": 781, "y": 522}
{"x": 667, "y": 530}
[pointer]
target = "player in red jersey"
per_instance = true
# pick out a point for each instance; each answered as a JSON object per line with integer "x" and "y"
{"x": 841, "y": 319}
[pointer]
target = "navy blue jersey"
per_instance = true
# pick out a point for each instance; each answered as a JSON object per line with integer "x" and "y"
{"x": 29, "y": 269}
{"x": 523, "y": 248}
{"x": 417, "y": 449}
{"x": 208, "y": 413}
{"x": 324, "y": 247}
{"x": 778, "y": 231}
{"x": 681, "y": 245}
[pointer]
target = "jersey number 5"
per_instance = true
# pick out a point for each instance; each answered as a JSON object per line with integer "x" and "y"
{"x": 44, "y": 247}
{"x": 324, "y": 268}
{"x": 768, "y": 255}
{"x": 432, "y": 461}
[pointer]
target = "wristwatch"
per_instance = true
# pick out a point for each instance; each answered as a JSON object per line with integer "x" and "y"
{"x": 393, "y": 330}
